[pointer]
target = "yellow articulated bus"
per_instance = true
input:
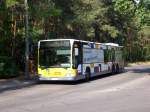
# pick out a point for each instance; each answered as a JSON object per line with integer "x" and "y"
{"x": 71, "y": 60}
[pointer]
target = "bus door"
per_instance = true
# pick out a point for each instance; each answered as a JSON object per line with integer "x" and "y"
{"x": 77, "y": 57}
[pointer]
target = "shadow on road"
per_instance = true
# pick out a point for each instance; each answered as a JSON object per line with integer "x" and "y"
{"x": 77, "y": 82}
{"x": 139, "y": 70}
{"x": 17, "y": 86}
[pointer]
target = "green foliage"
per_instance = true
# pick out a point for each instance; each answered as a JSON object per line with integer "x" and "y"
{"x": 10, "y": 3}
{"x": 89, "y": 13}
{"x": 8, "y": 67}
{"x": 144, "y": 33}
{"x": 111, "y": 30}
{"x": 143, "y": 15}
{"x": 44, "y": 8}
{"x": 120, "y": 21}
{"x": 125, "y": 7}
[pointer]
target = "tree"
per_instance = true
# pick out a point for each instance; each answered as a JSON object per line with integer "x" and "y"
{"x": 135, "y": 20}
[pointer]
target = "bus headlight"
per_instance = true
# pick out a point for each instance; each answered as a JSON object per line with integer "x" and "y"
{"x": 68, "y": 75}
{"x": 71, "y": 73}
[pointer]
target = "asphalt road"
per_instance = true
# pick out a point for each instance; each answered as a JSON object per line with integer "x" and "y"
{"x": 125, "y": 92}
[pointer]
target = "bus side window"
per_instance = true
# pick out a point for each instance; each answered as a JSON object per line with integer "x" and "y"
{"x": 113, "y": 55}
{"x": 106, "y": 55}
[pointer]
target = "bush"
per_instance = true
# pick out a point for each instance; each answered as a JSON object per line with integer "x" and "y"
{"x": 8, "y": 68}
{"x": 147, "y": 57}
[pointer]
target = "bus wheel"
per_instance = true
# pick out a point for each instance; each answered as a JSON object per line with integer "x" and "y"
{"x": 117, "y": 68}
{"x": 113, "y": 69}
{"x": 88, "y": 74}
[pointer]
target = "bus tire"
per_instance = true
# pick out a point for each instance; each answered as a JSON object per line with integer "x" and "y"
{"x": 88, "y": 74}
{"x": 113, "y": 69}
{"x": 117, "y": 68}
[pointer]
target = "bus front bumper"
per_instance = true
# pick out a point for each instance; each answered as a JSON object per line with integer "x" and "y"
{"x": 60, "y": 78}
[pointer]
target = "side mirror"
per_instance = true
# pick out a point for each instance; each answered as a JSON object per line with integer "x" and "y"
{"x": 76, "y": 50}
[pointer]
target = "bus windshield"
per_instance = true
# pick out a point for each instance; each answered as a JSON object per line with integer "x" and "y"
{"x": 55, "y": 54}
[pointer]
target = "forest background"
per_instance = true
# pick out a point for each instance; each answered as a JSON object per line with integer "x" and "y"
{"x": 126, "y": 22}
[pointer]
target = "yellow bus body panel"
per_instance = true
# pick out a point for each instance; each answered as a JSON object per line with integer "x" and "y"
{"x": 56, "y": 72}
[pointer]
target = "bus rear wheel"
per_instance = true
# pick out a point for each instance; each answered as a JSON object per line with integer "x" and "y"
{"x": 117, "y": 68}
{"x": 113, "y": 69}
{"x": 87, "y": 77}
{"x": 88, "y": 74}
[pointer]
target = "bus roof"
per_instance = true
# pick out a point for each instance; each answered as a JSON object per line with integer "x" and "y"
{"x": 107, "y": 44}
{"x": 112, "y": 44}
{"x": 70, "y": 40}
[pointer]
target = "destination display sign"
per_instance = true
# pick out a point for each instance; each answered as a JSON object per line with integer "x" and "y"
{"x": 65, "y": 43}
